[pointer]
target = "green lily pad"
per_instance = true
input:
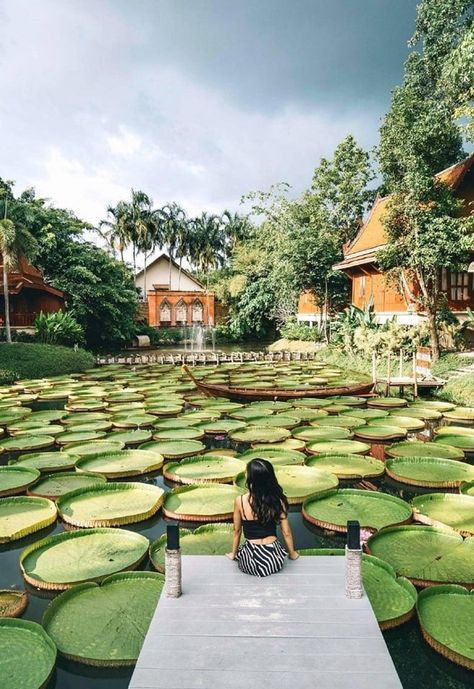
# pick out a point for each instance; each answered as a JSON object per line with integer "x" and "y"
{"x": 201, "y": 503}
{"x": 418, "y": 448}
{"x": 52, "y": 486}
{"x": 221, "y": 426}
{"x": 337, "y": 446}
{"x": 183, "y": 433}
{"x": 209, "y": 539}
{"x": 208, "y": 468}
{"x": 83, "y": 620}
{"x": 83, "y": 417}
{"x": 13, "y": 603}
{"x": 276, "y": 455}
{"x": 92, "y": 447}
{"x": 260, "y": 434}
{"x": 426, "y": 554}
{"x": 379, "y": 432}
{"x": 133, "y": 420}
{"x": 72, "y": 557}
{"x": 16, "y": 479}
{"x": 110, "y": 504}
{"x": 47, "y": 462}
{"x": 278, "y": 420}
{"x": 288, "y": 444}
{"x": 121, "y": 463}
{"x": 446, "y": 615}
{"x": 457, "y": 414}
{"x": 462, "y": 441}
{"x": 408, "y": 422}
{"x": 386, "y": 402}
{"x": 367, "y": 413}
{"x": 28, "y": 654}
{"x": 78, "y": 436}
{"x": 454, "y": 430}
{"x": 372, "y": 509}
{"x": 347, "y": 466}
{"x": 424, "y": 413}
{"x": 174, "y": 449}
{"x": 135, "y": 437}
{"x": 467, "y": 488}
{"x": 21, "y": 443}
{"x": 20, "y": 516}
{"x": 455, "y": 511}
{"x": 309, "y": 433}
{"x": 339, "y": 420}
{"x": 429, "y": 472}
{"x": 298, "y": 482}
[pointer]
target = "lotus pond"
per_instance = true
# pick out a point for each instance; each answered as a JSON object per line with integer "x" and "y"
{"x": 92, "y": 466}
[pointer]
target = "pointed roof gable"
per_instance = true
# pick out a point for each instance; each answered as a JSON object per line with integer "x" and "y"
{"x": 371, "y": 236}
{"x": 175, "y": 264}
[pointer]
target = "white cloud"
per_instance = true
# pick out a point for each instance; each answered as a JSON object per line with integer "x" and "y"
{"x": 125, "y": 143}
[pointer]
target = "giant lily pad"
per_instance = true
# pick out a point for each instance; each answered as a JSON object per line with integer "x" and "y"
{"x": 111, "y": 504}
{"x": 367, "y": 413}
{"x": 174, "y": 449}
{"x": 288, "y": 444}
{"x": 72, "y": 557}
{"x": 347, "y": 466}
{"x": 392, "y": 598}
{"x": 221, "y": 426}
{"x": 52, "y": 486}
{"x": 418, "y": 448}
{"x": 426, "y": 554}
{"x": 386, "y": 402}
{"x": 429, "y": 472}
{"x": 47, "y": 462}
{"x": 275, "y": 420}
{"x": 456, "y": 511}
{"x": 337, "y": 446}
{"x": 446, "y": 615}
{"x": 13, "y": 603}
{"x": 23, "y": 443}
{"x": 28, "y": 655}
{"x": 121, "y": 463}
{"x": 276, "y": 455}
{"x": 460, "y": 414}
{"x": 209, "y": 539}
{"x": 407, "y": 422}
{"x": 419, "y": 412}
{"x": 260, "y": 434}
{"x": 467, "y": 488}
{"x": 73, "y": 436}
{"x": 16, "y": 479}
{"x": 454, "y": 430}
{"x": 93, "y": 447}
{"x": 339, "y": 421}
{"x": 379, "y": 432}
{"x": 299, "y": 482}
{"x": 83, "y": 620}
{"x": 462, "y": 441}
{"x": 183, "y": 433}
{"x": 310, "y": 433}
{"x": 135, "y": 437}
{"x": 20, "y": 516}
{"x": 202, "y": 503}
{"x": 372, "y": 509}
{"x": 208, "y": 468}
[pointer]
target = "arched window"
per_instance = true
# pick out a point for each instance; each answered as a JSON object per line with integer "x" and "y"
{"x": 165, "y": 311}
{"x": 197, "y": 311}
{"x": 181, "y": 311}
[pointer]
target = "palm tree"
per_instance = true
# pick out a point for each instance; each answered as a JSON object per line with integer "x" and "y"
{"x": 209, "y": 243}
{"x": 173, "y": 221}
{"x": 236, "y": 228}
{"x": 116, "y": 229}
{"x": 15, "y": 242}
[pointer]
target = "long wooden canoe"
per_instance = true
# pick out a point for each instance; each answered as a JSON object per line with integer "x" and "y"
{"x": 252, "y": 394}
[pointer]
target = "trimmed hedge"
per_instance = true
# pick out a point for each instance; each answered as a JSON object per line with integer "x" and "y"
{"x": 25, "y": 360}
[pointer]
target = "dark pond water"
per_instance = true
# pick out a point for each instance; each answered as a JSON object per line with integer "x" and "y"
{"x": 418, "y": 666}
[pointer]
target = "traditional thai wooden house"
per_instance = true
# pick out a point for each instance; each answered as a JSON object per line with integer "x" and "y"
{"x": 29, "y": 295}
{"x": 173, "y": 296}
{"x": 369, "y": 283}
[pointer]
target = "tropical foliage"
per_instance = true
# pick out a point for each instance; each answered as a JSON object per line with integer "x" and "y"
{"x": 58, "y": 328}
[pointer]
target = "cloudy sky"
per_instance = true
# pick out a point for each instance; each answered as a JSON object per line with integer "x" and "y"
{"x": 196, "y": 101}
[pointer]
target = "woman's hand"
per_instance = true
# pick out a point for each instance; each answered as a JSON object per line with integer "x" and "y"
{"x": 231, "y": 556}
{"x": 294, "y": 555}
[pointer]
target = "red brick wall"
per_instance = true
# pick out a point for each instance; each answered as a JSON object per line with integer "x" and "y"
{"x": 156, "y": 299}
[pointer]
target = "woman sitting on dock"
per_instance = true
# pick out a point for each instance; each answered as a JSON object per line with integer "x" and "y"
{"x": 257, "y": 513}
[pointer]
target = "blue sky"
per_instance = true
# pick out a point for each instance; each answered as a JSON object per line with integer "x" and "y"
{"x": 194, "y": 101}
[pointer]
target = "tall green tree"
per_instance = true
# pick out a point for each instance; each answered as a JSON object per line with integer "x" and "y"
{"x": 420, "y": 137}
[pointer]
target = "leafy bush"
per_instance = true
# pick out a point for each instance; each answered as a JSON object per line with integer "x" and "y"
{"x": 7, "y": 377}
{"x": 40, "y": 360}
{"x": 449, "y": 362}
{"x": 225, "y": 333}
{"x": 300, "y": 331}
{"x": 58, "y": 328}
{"x": 459, "y": 390}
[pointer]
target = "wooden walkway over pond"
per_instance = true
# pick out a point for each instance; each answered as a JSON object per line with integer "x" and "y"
{"x": 293, "y": 630}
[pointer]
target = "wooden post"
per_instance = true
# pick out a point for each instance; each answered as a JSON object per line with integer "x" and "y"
{"x": 353, "y": 561}
{"x": 173, "y": 577}
{"x": 415, "y": 379}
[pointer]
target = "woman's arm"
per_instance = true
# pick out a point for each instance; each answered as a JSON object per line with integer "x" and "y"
{"x": 237, "y": 531}
{"x": 288, "y": 537}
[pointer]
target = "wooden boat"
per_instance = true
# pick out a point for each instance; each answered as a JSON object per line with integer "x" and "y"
{"x": 252, "y": 394}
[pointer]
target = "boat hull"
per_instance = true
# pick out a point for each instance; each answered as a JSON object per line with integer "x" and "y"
{"x": 251, "y": 395}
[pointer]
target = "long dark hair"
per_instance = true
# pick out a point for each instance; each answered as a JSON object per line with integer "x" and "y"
{"x": 267, "y": 499}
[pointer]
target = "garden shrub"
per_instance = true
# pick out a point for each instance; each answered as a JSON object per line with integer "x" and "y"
{"x": 40, "y": 360}
{"x": 300, "y": 331}
{"x": 58, "y": 328}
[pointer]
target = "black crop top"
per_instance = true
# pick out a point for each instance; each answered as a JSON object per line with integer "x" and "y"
{"x": 253, "y": 529}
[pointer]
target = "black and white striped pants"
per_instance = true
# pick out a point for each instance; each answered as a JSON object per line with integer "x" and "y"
{"x": 260, "y": 560}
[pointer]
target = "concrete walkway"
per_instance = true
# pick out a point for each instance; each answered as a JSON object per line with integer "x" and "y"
{"x": 293, "y": 630}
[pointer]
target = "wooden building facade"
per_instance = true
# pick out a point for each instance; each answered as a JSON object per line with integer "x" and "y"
{"x": 29, "y": 295}
{"x": 369, "y": 283}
